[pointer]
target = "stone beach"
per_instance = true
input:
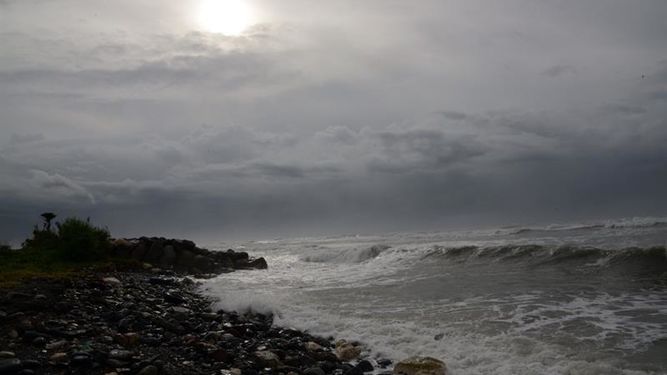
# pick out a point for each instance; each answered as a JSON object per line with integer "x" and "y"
{"x": 151, "y": 320}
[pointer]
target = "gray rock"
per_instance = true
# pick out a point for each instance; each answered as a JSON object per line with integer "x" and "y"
{"x": 314, "y": 371}
{"x": 139, "y": 251}
{"x": 267, "y": 359}
{"x": 58, "y": 357}
{"x": 119, "y": 354}
{"x": 111, "y": 281}
{"x": 148, "y": 370}
{"x": 10, "y": 366}
{"x": 346, "y": 351}
{"x": 168, "y": 255}
{"x": 154, "y": 253}
{"x": 420, "y": 366}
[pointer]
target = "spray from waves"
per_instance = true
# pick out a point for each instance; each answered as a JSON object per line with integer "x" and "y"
{"x": 623, "y": 223}
{"x": 351, "y": 255}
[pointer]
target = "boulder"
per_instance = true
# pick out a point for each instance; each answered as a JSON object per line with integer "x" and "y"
{"x": 346, "y": 351}
{"x": 168, "y": 255}
{"x": 139, "y": 251}
{"x": 267, "y": 359}
{"x": 154, "y": 253}
{"x": 420, "y": 366}
{"x": 312, "y": 346}
{"x": 259, "y": 263}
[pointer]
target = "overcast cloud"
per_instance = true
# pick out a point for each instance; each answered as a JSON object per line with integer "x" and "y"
{"x": 331, "y": 116}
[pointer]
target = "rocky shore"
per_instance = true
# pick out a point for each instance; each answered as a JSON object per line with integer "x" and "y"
{"x": 146, "y": 317}
{"x": 147, "y": 323}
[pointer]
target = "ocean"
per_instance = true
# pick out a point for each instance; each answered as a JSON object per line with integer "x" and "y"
{"x": 586, "y": 298}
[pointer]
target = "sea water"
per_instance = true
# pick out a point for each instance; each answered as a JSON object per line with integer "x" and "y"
{"x": 561, "y": 299}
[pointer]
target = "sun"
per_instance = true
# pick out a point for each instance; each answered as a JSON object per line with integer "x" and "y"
{"x": 227, "y": 17}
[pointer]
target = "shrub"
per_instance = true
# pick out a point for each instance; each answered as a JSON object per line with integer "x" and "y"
{"x": 5, "y": 249}
{"x": 41, "y": 239}
{"x": 78, "y": 241}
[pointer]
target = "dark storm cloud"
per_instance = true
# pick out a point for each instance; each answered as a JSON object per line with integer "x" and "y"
{"x": 404, "y": 117}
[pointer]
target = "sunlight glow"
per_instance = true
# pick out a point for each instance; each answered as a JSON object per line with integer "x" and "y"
{"x": 228, "y": 17}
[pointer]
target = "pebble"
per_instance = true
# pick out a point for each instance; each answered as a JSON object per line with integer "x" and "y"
{"x": 7, "y": 354}
{"x": 58, "y": 357}
{"x": 56, "y": 345}
{"x": 111, "y": 281}
{"x": 10, "y": 366}
{"x": 120, "y": 354}
{"x": 148, "y": 370}
{"x": 147, "y": 324}
{"x": 364, "y": 366}
{"x": 312, "y": 346}
{"x": 314, "y": 371}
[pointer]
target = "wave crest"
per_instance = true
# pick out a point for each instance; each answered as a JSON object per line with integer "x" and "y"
{"x": 353, "y": 255}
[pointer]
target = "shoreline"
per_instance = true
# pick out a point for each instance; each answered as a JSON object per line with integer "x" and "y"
{"x": 151, "y": 322}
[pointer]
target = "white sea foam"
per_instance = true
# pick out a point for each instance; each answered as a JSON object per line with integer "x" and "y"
{"x": 495, "y": 317}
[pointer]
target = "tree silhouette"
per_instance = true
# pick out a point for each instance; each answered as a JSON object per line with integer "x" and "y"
{"x": 48, "y": 216}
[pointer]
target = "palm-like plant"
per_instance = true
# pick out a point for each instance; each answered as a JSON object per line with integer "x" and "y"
{"x": 48, "y": 216}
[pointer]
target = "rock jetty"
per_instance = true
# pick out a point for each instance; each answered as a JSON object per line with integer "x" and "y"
{"x": 183, "y": 256}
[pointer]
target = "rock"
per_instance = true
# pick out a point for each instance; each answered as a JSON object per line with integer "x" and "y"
{"x": 420, "y": 366}
{"x": 267, "y": 359}
{"x": 6, "y": 354}
{"x": 179, "y": 310}
{"x": 346, "y": 351}
{"x": 384, "y": 363}
{"x": 81, "y": 359}
{"x": 17, "y": 296}
{"x": 128, "y": 339}
{"x": 259, "y": 263}
{"x": 56, "y": 345}
{"x": 168, "y": 255}
{"x": 30, "y": 363}
{"x": 173, "y": 297}
{"x": 10, "y": 366}
{"x": 122, "y": 355}
{"x": 312, "y": 346}
{"x": 58, "y": 357}
{"x": 221, "y": 355}
{"x": 314, "y": 371}
{"x": 139, "y": 251}
{"x": 364, "y": 366}
{"x": 154, "y": 253}
{"x": 148, "y": 370}
{"x": 111, "y": 281}
{"x": 438, "y": 337}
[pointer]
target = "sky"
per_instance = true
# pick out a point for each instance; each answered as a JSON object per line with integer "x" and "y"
{"x": 226, "y": 119}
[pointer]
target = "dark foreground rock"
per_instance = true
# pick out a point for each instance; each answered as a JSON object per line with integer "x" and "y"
{"x": 148, "y": 324}
{"x": 183, "y": 256}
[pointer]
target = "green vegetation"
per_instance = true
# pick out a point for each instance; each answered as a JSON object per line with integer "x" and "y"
{"x": 74, "y": 245}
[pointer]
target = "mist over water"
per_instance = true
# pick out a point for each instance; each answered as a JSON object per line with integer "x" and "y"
{"x": 578, "y": 299}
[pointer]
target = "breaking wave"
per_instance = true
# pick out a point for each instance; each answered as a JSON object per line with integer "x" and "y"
{"x": 628, "y": 223}
{"x": 352, "y": 255}
{"x": 651, "y": 259}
